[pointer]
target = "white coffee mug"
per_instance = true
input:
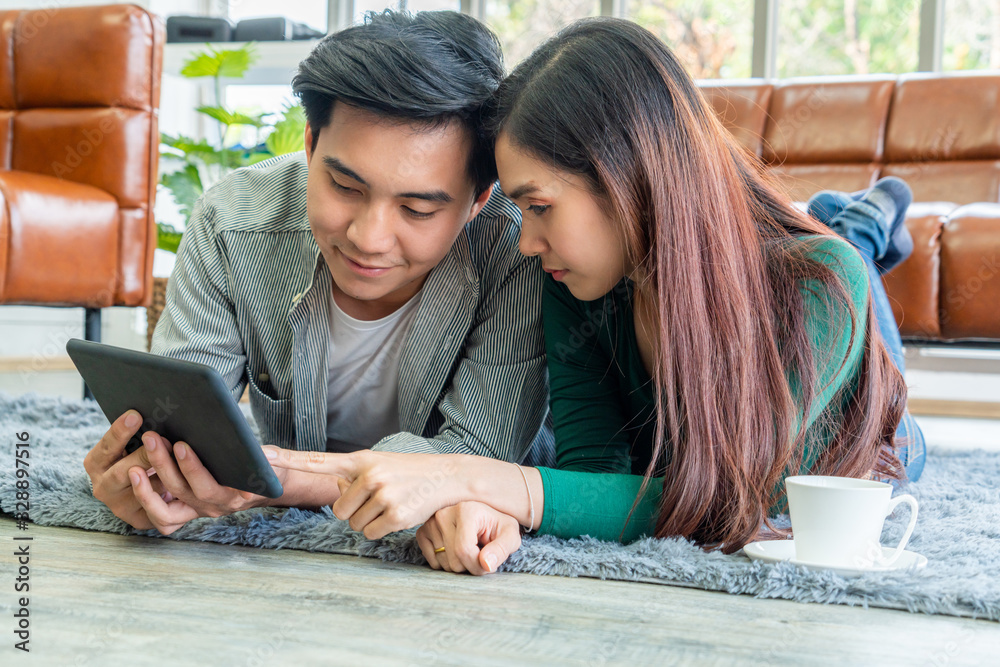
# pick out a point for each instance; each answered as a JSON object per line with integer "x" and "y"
{"x": 837, "y": 521}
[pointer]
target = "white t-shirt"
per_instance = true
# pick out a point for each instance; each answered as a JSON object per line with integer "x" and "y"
{"x": 362, "y": 382}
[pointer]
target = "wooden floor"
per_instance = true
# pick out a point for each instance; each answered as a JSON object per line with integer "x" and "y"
{"x": 103, "y": 599}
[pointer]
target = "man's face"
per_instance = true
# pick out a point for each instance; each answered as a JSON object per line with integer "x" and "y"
{"x": 386, "y": 201}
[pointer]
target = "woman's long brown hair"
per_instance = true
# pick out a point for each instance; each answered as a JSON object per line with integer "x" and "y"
{"x": 711, "y": 235}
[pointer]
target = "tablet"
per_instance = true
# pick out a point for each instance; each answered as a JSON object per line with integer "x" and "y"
{"x": 180, "y": 400}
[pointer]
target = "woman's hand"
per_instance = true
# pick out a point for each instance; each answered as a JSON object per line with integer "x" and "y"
{"x": 381, "y": 492}
{"x": 476, "y": 538}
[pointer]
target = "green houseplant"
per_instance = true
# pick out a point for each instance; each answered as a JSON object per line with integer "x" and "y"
{"x": 190, "y": 166}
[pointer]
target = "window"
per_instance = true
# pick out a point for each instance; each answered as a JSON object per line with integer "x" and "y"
{"x": 712, "y": 38}
{"x": 971, "y": 34}
{"x": 522, "y": 25}
{"x": 432, "y": 5}
{"x": 817, "y": 37}
{"x": 167, "y": 8}
{"x": 361, "y": 7}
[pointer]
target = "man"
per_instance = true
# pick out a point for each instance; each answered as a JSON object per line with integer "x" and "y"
{"x": 370, "y": 292}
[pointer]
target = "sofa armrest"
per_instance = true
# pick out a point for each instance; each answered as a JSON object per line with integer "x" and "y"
{"x": 970, "y": 273}
{"x": 914, "y": 287}
{"x": 59, "y": 242}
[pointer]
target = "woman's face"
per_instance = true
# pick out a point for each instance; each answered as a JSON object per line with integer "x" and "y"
{"x": 563, "y": 223}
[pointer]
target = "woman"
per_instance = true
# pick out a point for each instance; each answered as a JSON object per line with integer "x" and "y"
{"x": 674, "y": 260}
{"x": 705, "y": 338}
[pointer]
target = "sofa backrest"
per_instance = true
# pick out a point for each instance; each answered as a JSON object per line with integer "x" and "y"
{"x": 943, "y": 137}
{"x": 938, "y": 132}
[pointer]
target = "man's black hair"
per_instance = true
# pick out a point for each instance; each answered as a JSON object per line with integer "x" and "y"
{"x": 430, "y": 67}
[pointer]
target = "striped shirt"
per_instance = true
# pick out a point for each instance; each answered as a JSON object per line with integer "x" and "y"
{"x": 250, "y": 296}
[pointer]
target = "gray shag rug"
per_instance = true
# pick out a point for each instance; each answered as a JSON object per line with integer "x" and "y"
{"x": 958, "y": 530}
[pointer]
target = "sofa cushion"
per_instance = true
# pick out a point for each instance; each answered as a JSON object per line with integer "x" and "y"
{"x": 742, "y": 108}
{"x": 119, "y": 73}
{"x": 970, "y": 273}
{"x": 801, "y": 181}
{"x": 59, "y": 242}
{"x": 914, "y": 286}
{"x": 936, "y": 118}
{"x": 959, "y": 181}
{"x": 828, "y": 120}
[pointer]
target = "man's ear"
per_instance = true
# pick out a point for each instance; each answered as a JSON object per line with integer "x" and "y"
{"x": 309, "y": 143}
{"x": 480, "y": 202}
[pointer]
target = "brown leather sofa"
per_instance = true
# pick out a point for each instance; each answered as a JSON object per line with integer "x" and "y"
{"x": 939, "y": 133}
{"x": 79, "y": 98}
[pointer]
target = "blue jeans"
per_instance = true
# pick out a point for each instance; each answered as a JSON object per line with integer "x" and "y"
{"x": 859, "y": 225}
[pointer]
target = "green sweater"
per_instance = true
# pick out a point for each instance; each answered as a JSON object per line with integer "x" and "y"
{"x": 603, "y": 407}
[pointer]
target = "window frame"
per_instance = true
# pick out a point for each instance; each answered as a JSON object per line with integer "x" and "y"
{"x": 340, "y": 14}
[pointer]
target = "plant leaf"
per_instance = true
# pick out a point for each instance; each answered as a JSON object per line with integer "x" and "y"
{"x": 293, "y": 113}
{"x": 186, "y": 147}
{"x": 284, "y": 139}
{"x": 234, "y": 158}
{"x": 227, "y": 117}
{"x": 185, "y": 186}
{"x": 167, "y": 237}
{"x": 288, "y": 132}
{"x": 182, "y": 142}
{"x": 259, "y": 157}
{"x": 229, "y": 63}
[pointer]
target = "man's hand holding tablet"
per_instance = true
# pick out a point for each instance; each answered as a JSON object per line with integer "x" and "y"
{"x": 149, "y": 488}
{"x": 178, "y": 447}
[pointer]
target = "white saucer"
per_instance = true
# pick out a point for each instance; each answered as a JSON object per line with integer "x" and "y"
{"x": 776, "y": 551}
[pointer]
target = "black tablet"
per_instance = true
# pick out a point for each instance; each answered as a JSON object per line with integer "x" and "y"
{"x": 180, "y": 400}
